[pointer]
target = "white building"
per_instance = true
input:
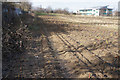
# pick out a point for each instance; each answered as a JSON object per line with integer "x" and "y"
{"x": 96, "y": 11}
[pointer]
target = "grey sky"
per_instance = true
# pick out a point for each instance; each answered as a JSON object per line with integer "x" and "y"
{"x": 74, "y": 5}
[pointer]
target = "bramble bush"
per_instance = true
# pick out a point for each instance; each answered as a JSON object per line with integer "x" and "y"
{"x": 14, "y": 37}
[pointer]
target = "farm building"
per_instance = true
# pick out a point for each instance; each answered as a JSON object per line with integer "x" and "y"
{"x": 96, "y": 11}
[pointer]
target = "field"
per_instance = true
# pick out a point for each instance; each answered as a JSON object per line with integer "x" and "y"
{"x": 70, "y": 46}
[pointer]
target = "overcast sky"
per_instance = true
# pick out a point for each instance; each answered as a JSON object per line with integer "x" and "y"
{"x": 74, "y": 5}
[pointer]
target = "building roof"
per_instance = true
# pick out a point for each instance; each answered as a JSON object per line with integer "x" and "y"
{"x": 98, "y": 7}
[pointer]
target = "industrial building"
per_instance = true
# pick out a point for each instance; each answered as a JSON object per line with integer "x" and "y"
{"x": 96, "y": 11}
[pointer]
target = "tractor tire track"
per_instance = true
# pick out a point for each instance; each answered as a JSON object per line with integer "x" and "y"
{"x": 61, "y": 72}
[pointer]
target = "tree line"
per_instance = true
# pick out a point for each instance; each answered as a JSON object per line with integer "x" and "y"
{"x": 50, "y": 10}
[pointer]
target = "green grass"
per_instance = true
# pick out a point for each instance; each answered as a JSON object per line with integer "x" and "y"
{"x": 52, "y": 14}
{"x": 41, "y": 13}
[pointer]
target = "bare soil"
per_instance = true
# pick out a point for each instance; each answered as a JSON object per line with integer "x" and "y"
{"x": 70, "y": 47}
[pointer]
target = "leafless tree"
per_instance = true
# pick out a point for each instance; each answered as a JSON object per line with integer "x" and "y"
{"x": 26, "y": 6}
{"x": 48, "y": 9}
{"x": 63, "y": 11}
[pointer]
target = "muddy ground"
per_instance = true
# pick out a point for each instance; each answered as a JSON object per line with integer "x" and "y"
{"x": 69, "y": 47}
